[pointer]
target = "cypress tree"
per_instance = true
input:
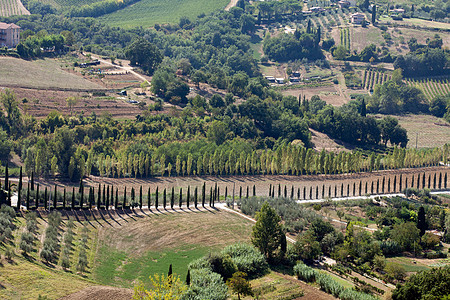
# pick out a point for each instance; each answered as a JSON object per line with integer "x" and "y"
{"x": 124, "y": 204}
{"x": 247, "y": 192}
{"x": 429, "y": 181}
{"x": 400, "y": 183}
{"x": 382, "y": 185}
{"x": 348, "y": 189}
{"x": 64, "y": 199}
{"x": 210, "y": 197}
{"x": 196, "y": 197}
{"x": 323, "y": 191}
{"x": 421, "y": 221}
{"x": 140, "y": 197}
{"x": 188, "y": 195}
{"x": 329, "y": 191}
{"x": 188, "y": 278}
{"x": 9, "y": 194}
{"x": 187, "y": 198}
{"x": 342, "y": 190}
{"x": 20, "y": 187}
{"x": 254, "y": 190}
{"x": 371, "y": 188}
{"x": 270, "y": 190}
{"x": 203, "y": 194}
{"x": 111, "y": 198}
{"x": 378, "y": 186}
{"x": 335, "y": 191}
{"x": 423, "y": 180}
{"x": 418, "y": 182}
{"x": 164, "y": 198}
{"x": 285, "y": 192}
{"x": 240, "y": 192}
{"x": 360, "y": 188}
{"x": 91, "y": 197}
{"x": 226, "y": 193}
{"x": 218, "y": 195}
{"x": 298, "y": 193}
{"x": 45, "y": 199}
{"x": 32, "y": 180}
{"x": 117, "y": 198}
{"x": 172, "y": 198}
{"x": 107, "y": 198}
{"x": 406, "y": 182}
{"x": 395, "y": 183}
{"x": 156, "y": 198}
{"x": 149, "y": 198}
{"x": 412, "y": 182}
{"x": 133, "y": 198}
{"x": 99, "y": 196}
{"x": 28, "y": 197}
{"x": 55, "y": 197}
{"x": 389, "y": 185}
{"x": 180, "y": 201}
{"x": 304, "y": 193}
{"x": 445, "y": 180}
{"x": 169, "y": 274}
{"x": 279, "y": 190}
{"x": 317, "y": 192}
{"x": 104, "y": 195}
{"x": 73, "y": 197}
{"x": 213, "y": 200}
{"x": 310, "y": 192}
{"x": 7, "y": 178}
{"x": 81, "y": 194}
{"x": 37, "y": 197}
{"x": 434, "y": 181}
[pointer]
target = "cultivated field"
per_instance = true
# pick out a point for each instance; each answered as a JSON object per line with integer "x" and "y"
{"x": 429, "y": 130}
{"x": 43, "y": 73}
{"x": 11, "y": 8}
{"x": 431, "y": 86}
{"x": 147, "y": 13}
{"x": 328, "y": 93}
{"x": 67, "y": 3}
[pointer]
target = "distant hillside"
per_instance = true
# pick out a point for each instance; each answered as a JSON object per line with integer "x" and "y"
{"x": 11, "y": 8}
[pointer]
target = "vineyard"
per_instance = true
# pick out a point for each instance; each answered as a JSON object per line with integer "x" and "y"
{"x": 372, "y": 78}
{"x": 68, "y": 3}
{"x": 11, "y": 8}
{"x": 345, "y": 37}
{"x": 150, "y": 12}
{"x": 431, "y": 87}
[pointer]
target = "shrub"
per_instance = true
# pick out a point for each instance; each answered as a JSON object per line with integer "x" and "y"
{"x": 247, "y": 259}
{"x": 206, "y": 285}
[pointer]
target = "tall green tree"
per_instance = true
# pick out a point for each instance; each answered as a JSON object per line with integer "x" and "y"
{"x": 267, "y": 232}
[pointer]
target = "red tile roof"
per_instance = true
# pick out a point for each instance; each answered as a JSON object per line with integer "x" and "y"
{"x": 6, "y": 26}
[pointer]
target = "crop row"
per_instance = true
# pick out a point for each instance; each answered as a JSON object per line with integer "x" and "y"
{"x": 372, "y": 78}
{"x": 431, "y": 87}
{"x": 9, "y": 8}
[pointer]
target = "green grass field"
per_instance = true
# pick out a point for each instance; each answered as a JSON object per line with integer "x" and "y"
{"x": 139, "y": 249}
{"x": 147, "y": 13}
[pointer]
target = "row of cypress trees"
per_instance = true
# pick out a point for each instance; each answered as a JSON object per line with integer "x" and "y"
{"x": 107, "y": 196}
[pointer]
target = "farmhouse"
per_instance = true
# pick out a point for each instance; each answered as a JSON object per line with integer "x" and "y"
{"x": 357, "y": 18}
{"x": 9, "y": 35}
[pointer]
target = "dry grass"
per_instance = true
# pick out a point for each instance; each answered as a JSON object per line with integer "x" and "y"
{"x": 45, "y": 73}
{"x": 329, "y": 93}
{"x": 429, "y": 130}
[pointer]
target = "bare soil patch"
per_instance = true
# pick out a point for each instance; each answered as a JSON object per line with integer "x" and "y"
{"x": 101, "y": 293}
{"x": 328, "y": 93}
{"x": 322, "y": 141}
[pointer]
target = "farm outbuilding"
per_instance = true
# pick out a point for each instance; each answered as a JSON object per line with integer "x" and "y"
{"x": 9, "y": 35}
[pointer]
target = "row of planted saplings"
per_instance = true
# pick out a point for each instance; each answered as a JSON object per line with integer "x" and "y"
{"x": 108, "y": 197}
{"x": 373, "y": 187}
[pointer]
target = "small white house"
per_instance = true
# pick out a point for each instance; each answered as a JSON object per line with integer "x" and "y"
{"x": 279, "y": 80}
{"x": 357, "y": 18}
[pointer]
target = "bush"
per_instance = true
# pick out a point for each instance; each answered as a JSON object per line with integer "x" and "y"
{"x": 206, "y": 285}
{"x": 247, "y": 259}
{"x": 305, "y": 273}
